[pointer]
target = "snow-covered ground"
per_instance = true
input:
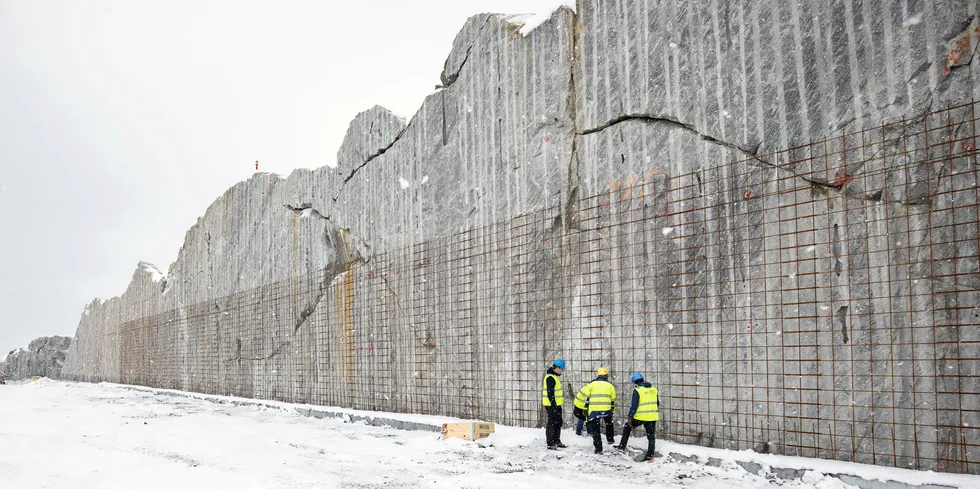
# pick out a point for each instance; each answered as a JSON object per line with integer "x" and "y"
{"x": 75, "y": 435}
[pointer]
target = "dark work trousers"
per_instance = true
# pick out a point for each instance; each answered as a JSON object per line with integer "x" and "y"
{"x": 651, "y": 429}
{"x": 580, "y": 414}
{"x": 552, "y": 432}
{"x": 593, "y": 425}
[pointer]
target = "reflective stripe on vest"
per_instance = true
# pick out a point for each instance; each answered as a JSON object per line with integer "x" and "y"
{"x": 559, "y": 394}
{"x": 602, "y": 395}
{"x": 582, "y": 398}
{"x": 647, "y": 409}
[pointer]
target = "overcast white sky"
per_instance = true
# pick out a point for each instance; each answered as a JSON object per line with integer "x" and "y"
{"x": 120, "y": 122}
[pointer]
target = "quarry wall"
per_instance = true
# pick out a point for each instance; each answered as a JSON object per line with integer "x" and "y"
{"x": 44, "y": 356}
{"x": 768, "y": 207}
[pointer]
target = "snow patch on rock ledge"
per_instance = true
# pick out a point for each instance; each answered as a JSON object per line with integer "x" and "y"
{"x": 529, "y": 22}
{"x": 155, "y": 274}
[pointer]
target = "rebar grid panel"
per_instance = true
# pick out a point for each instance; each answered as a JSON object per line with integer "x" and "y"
{"x": 820, "y": 301}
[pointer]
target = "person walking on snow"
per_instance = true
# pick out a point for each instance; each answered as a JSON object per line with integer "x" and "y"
{"x": 644, "y": 411}
{"x": 600, "y": 396}
{"x": 552, "y": 397}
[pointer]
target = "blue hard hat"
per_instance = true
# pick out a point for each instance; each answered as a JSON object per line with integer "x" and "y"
{"x": 636, "y": 377}
{"x": 560, "y": 364}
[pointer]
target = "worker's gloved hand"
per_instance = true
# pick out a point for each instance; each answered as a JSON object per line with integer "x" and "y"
{"x": 631, "y": 422}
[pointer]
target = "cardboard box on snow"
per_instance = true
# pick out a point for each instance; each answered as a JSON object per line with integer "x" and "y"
{"x": 467, "y": 431}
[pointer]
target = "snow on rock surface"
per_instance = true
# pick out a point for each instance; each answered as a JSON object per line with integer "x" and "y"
{"x": 155, "y": 274}
{"x": 107, "y": 436}
{"x": 529, "y": 22}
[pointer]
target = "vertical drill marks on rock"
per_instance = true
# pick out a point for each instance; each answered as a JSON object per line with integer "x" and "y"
{"x": 343, "y": 288}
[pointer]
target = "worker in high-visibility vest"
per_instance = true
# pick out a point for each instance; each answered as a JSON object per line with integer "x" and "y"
{"x": 579, "y": 411}
{"x": 552, "y": 398}
{"x": 644, "y": 411}
{"x": 600, "y": 396}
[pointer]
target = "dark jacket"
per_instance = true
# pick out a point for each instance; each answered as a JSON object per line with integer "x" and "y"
{"x": 550, "y": 384}
{"x": 635, "y": 403}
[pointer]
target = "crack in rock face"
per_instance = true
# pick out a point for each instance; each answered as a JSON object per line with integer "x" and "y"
{"x": 451, "y": 73}
{"x": 371, "y": 134}
{"x": 306, "y": 210}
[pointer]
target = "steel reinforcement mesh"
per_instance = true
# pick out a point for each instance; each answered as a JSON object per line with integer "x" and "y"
{"x": 827, "y": 308}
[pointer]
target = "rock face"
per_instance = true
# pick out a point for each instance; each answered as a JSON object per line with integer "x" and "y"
{"x": 741, "y": 199}
{"x": 45, "y": 356}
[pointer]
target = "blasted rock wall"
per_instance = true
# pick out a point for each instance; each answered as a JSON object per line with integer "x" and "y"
{"x": 690, "y": 87}
{"x": 472, "y": 156}
{"x": 767, "y": 76}
{"x": 44, "y": 357}
{"x": 448, "y": 258}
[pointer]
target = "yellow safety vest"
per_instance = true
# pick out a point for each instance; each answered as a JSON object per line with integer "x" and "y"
{"x": 559, "y": 395}
{"x": 647, "y": 409}
{"x": 600, "y": 395}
